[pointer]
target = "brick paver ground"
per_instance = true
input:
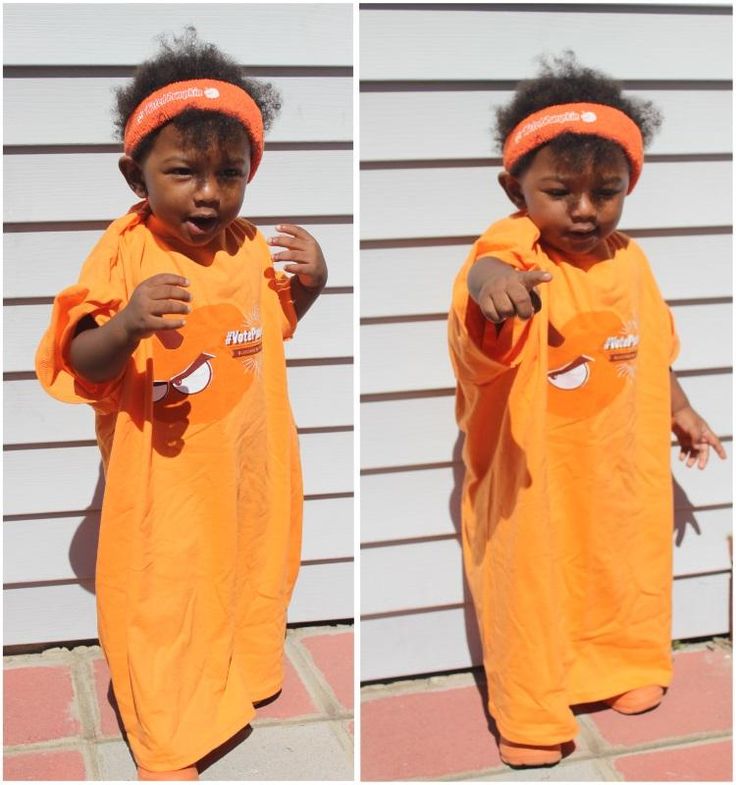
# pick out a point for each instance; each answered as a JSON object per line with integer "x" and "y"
{"x": 60, "y": 721}
{"x": 438, "y": 728}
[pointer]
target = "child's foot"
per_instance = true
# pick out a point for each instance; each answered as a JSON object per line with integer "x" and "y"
{"x": 638, "y": 700}
{"x": 190, "y": 773}
{"x": 527, "y": 755}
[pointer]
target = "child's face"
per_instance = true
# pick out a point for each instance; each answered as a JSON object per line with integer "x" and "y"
{"x": 575, "y": 207}
{"x": 196, "y": 193}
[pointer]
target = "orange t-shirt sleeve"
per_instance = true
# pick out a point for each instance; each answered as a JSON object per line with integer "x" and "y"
{"x": 480, "y": 349}
{"x": 99, "y": 293}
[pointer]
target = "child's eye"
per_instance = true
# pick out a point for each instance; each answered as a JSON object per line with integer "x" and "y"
{"x": 607, "y": 193}
{"x": 232, "y": 173}
{"x": 180, "y": 171}
{"x": 557, "y": 193}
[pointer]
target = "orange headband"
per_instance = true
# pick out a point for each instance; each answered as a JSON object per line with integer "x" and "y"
{"x": 592, "y": 119}
{"x": 209, "y": 94}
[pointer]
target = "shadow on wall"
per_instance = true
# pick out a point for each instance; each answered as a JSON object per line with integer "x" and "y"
{"x": 83, "y": 548}
{"x": 472, "y": 632}
{"x": 684, "y": 514}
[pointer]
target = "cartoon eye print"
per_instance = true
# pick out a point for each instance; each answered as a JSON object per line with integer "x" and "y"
{"x": 193, "y": 379}
{"x": 571, "y": 376}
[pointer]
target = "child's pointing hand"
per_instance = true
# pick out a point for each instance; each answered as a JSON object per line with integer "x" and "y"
{"x": 304, "y": 253}
{"x": 502, "y": 291}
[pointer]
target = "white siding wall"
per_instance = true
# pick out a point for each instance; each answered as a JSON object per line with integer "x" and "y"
{"x": 62, "y": 187}
{"x": 430, "y": 78}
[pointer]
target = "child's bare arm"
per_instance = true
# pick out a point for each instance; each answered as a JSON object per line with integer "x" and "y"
{"x": 502, "y": 292}
{"x": 100, "y": 354}
{"x": 692, "y": 431}
{"x": 306, "y": 262}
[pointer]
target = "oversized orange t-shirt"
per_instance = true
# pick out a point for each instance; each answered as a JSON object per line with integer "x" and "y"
{"x": 567, "y": 499}
{"x": 201, "y": 521}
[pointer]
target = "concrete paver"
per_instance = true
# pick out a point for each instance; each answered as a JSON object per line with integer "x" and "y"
{"x": 293, "y": 701}
{"x": 333, "y": 655}
{"x": 114, "y": 761}
{"x": 60, "y": 720}
{"x": 591, "y": 770}
{"x": 300, "y": 751}
{"x": 66, "y": 765}
{"x": 437, "y": 728}
{"x": 27, "y": 689}
{"x": 430, "y": 734}
{"x": 694, "y": 763}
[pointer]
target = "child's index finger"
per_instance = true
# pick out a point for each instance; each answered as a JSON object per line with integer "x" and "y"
{"x": 531, "y": 278}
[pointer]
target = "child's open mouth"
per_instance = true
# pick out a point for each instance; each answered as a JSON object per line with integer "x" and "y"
{"x": 201, "y": 224}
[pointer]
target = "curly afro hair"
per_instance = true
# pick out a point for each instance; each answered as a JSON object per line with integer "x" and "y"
{"x": 565, "y": 81}
{"x": 186, "y": 57}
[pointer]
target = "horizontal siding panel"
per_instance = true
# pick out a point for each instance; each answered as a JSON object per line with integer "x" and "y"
{"x": 94, "y": 189}
{"x": 446, "y": 639}
{"x": 70, "y": 477}
{"x": 46, "y": 614}
{"x": 419, "y": 359}
{"x": 326, "y": 331}
{"x": 701, "y": 607}
{"x": 61, "y": 549}
{"x": 412, "y": 644}
{"x": 323, "y": 592}
{"x": 281, "y": 34}
{"x": 422, "y": 430}
{"x": 421, "y": 503}
{"x": 422, "y": 277}
{"x": 41, "y": 264}
{"x": 394, "y": 125}
{"x": 409, "y": 505}
{"x": 485, "y": 43}
{"x": 314, "y": 109}
{"x": 411, "y": 577}
{"x": 37, "y": 417}
{"x": 456, "y": 200}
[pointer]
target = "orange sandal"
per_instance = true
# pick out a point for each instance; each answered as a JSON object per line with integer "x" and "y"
{"x": 527, "y": 755}
{"x": 638, "y": 700}
{"x": 189, "y": 773}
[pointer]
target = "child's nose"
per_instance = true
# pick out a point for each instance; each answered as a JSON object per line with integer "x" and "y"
{"x": 583, "y": 206}
{"x": 208, "y": 190}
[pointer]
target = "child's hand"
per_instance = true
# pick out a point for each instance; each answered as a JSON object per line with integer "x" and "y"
{"x": 158, "y": 295}
{"x": 502, "y": 291}
{"x": 695, "y": 437}
{"x": 308, "y": 263}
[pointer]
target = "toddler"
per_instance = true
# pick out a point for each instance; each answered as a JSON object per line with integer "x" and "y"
{"x": 174, "y": 334}
{"x": 562, "y": 347}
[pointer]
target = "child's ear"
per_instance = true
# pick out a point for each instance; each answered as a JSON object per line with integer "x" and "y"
{"x": 512, "y": 187}
{"x": 133, "y": 175}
